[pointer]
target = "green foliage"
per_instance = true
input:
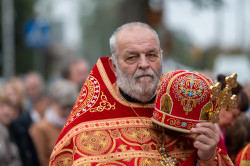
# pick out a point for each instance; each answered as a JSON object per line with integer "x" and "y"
{"x": 98, "y": 21}
{"x": 23, "y": 11}
{"x": 181, "y": 48}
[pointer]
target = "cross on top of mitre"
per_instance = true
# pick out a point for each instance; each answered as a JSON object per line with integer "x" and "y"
{"x": 224, "y": 97}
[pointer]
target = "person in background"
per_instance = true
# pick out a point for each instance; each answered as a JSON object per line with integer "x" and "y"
{"x": 110, "y": 123}
{"x": 63, "y": 94}
{"x": 247, "y": 90}
{"x": 34, "y": 85}
{"x": 19, "y": 83}
{"x": 242, "y": 155}
{"x": 245, "y": 120}
{"x": 228, "y": 118}
{"x": 238, "y": 135}
{"x": 19, "y": 129}
{"x": 16, "y": 95}
{"x": 76, "y": 70}
{"x": 9, "y": 155}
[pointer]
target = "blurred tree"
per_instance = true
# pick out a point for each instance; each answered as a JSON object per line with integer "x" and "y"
{"x": 23, "y": 11}
{"x": 98, "y": 22}
{"x": 183, "y": 51}
{"x": 101, "y": 18}
{"x": 209, "y": 56}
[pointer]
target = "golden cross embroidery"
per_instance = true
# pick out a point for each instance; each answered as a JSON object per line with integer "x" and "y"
{"x": 224, "y": 98}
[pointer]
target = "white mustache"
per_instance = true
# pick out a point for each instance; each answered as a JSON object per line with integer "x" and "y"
{"x": 140, "y": 73}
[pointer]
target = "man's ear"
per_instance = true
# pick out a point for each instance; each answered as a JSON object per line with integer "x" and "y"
{"x": 162, "y": 53}
{"x": 112, "y": 65}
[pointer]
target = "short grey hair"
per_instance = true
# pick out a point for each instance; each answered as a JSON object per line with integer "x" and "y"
{"x": 64, "y": 92}
{"x": 113, "y": 38}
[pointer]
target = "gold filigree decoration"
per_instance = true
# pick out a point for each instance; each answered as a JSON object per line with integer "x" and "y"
{"x": 136, "y": 134}
{"x": 205, "y": 111}
{"x": 177, "y": 123}
{"x": 167, "y": 160}
{"x": 65, "y": 159}
{"x": 115, "y": 134}
{"x": 104, "y": 104}
{"x": 190, "y": 90}
{"x": 126, "y": 148}
{"x": 156, "y": 115}
{"x": 93, "y": 142}
{"x": 111, "y": 163}
{"x": 190, "y": 125}
{"x": 174, "y": 122}
{"x": 223, "y": 98}
{"x": 148, "y": 161}
{"x": 87, "y": 97}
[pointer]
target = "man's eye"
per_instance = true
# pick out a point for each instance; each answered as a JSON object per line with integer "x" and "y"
{"x": 131, "y": 58}
{"x": 151, "y": 55}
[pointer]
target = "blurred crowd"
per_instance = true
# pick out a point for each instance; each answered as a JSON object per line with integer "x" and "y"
{"x": 33, "y": 112}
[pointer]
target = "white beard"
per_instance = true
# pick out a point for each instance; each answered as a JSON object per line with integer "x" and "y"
{"x": 142, "y": 92}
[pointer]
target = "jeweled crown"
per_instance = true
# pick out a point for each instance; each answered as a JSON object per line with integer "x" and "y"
{"x": 186, "y": 98}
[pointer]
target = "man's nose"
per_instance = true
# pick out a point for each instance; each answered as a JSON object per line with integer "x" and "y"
{"x": 143, "y": 62}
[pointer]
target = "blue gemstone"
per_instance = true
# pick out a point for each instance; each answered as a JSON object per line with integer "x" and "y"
{"x": 191, "y": 83}
{"x": 183, "y": 124}
{"x": 197, "y": 93}
{"x": 201, "y": 88}
{"x": 190, "y": 93}
{"x": 183, "y": 90}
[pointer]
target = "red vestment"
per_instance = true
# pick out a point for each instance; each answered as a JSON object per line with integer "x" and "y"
{"x": 243, "y": 157}
{"x": 102, "y": 129}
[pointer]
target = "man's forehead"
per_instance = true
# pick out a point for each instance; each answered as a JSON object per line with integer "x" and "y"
{"x": 136, "y": 35}
{"x": 133, "y": 30}
{"x": 134, "y": 50}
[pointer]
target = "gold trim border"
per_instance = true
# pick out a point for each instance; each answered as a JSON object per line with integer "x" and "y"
{"x": 175, "y": 117}
{"x": 101, "y": 125}
{"x": 124, "y": 155}
{"x": 115, "y": 157}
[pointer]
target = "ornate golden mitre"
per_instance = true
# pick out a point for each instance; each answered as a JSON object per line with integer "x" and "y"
{"x": 186, "y": 98}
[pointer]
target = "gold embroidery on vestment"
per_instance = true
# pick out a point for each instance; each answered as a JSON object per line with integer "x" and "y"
{"x": 104, "y": 104}
{"x": 93, "y": 142}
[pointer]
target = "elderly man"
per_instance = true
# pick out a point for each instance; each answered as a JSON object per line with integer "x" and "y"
{"x": 110, "y": 122}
